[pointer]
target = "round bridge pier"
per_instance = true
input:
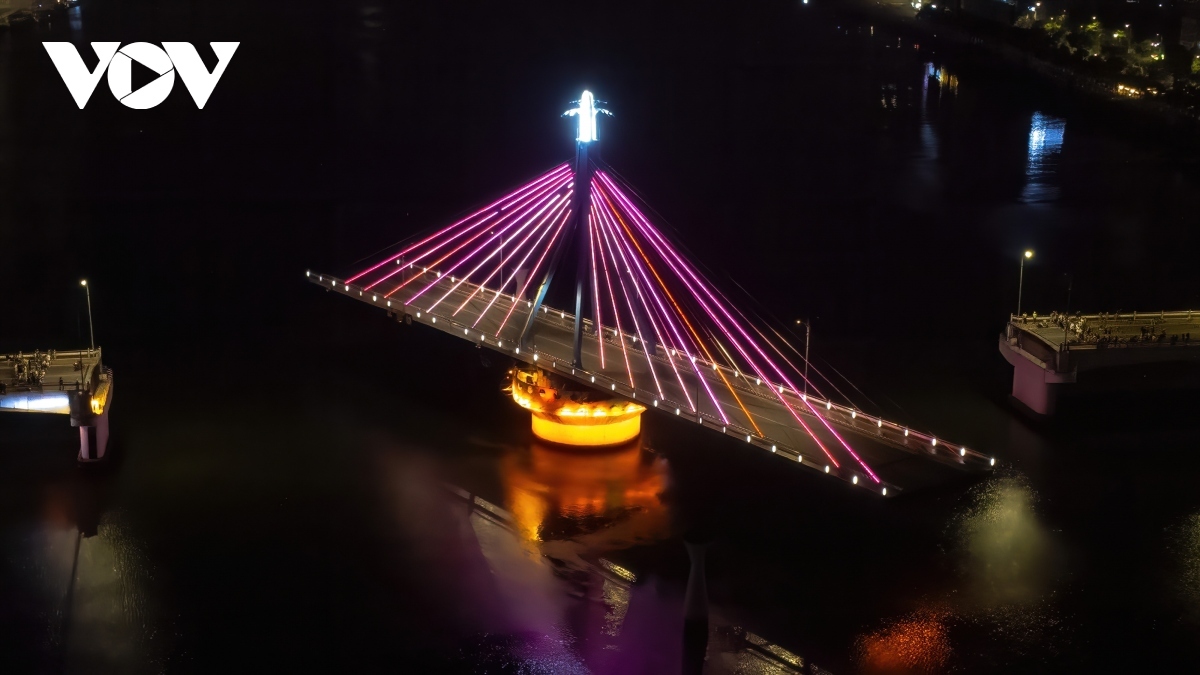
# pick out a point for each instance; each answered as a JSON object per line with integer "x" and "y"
{"x": 569, "y": 414}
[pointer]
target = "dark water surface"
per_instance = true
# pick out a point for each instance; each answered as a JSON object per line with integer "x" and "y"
{"x": 290, "y": 468}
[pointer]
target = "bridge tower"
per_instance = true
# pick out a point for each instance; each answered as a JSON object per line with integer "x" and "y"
{"x": 581, "y": 207}
{"x": 563, "y": 413}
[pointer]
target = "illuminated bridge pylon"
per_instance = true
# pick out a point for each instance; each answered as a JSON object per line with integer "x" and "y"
{"x": 648, "y": 329}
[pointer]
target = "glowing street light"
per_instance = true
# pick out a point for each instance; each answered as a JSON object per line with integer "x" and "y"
{"x": 1021, "y": 281}
{"x": 91, "y": 332}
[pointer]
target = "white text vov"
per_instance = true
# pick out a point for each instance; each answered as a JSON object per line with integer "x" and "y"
{"x": 172, "y": 57}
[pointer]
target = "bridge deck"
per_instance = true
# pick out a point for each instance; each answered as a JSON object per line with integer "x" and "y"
{"x": 45, "y": 395}
{"x": 1126, "y": 329}
{"x": 674, "y": 386}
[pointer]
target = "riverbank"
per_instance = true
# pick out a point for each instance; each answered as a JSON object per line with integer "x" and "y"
{"x": 987, "y": 52}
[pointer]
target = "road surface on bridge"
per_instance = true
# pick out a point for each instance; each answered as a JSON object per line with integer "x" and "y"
{"x": 1127, "y": 329}
{"x": 675, "y": 387}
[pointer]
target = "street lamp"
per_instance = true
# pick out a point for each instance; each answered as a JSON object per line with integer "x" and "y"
{"x": 807, "y": 336}
{"x": 91, "y": 331}
{"x": 501, "y": 258}
{"x": 1021, "y": 282}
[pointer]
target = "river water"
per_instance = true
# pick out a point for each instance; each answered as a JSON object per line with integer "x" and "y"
{"x": 292, "y": 471}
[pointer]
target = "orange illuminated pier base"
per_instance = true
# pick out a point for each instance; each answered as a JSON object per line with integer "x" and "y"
{"x": 570, "y": 416}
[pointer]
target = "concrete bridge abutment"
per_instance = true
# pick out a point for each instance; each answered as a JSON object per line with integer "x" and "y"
{"x": 89, "y": 412}
{"x": 1029, "y": 385}
{"x": 1038, "y": 374}
{"x": 93, "y": 439}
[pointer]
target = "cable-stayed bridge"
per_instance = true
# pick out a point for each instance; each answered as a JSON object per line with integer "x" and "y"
{"x": 648, "y": 329}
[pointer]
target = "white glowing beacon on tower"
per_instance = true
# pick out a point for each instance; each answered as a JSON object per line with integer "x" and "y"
{"x": 586, "y": 111}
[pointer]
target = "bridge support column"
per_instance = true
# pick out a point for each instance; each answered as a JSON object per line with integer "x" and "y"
{"x": 93, "y": 439}
{"x": 1035, "y": 383}
{"x": 1029, "y": 386}
{"x": 89, "y": 412}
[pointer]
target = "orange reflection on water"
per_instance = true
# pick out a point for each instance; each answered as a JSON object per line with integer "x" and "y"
{"x": 586, "y": 489}
{"x": 57, "y": 508}
{"x": 917, "y": 643}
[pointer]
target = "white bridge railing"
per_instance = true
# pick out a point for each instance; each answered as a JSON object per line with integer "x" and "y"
{"x": 844, "y": 417}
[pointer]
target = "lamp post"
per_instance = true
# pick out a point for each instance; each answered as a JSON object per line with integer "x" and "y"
{"x": 91, "y": 331}
{"x": 501, "y": 260}
{"x": 807, "y": 337}
{"x": 1021, "y": 281}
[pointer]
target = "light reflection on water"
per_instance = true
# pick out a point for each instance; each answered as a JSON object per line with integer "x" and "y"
{"x": 1045, "y": 150}
{"x": 109, "y": 621}
{"x": 1188, "y": 544}
{"x": 92, "y": 580}
{"x": 1184, "y": 544}
{"x": 560, "y": 494}
{"x": 924, "y": 181}
{"x": 559, "y": 605}
{"x": 1010, "y": 567}
{"x": 946, "y": 80}
{"x": 1003, "y": 543}
{"x": 916, "y": 643}
{"x": 1006, "y": 568}
{"x": 567, "y": 603}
